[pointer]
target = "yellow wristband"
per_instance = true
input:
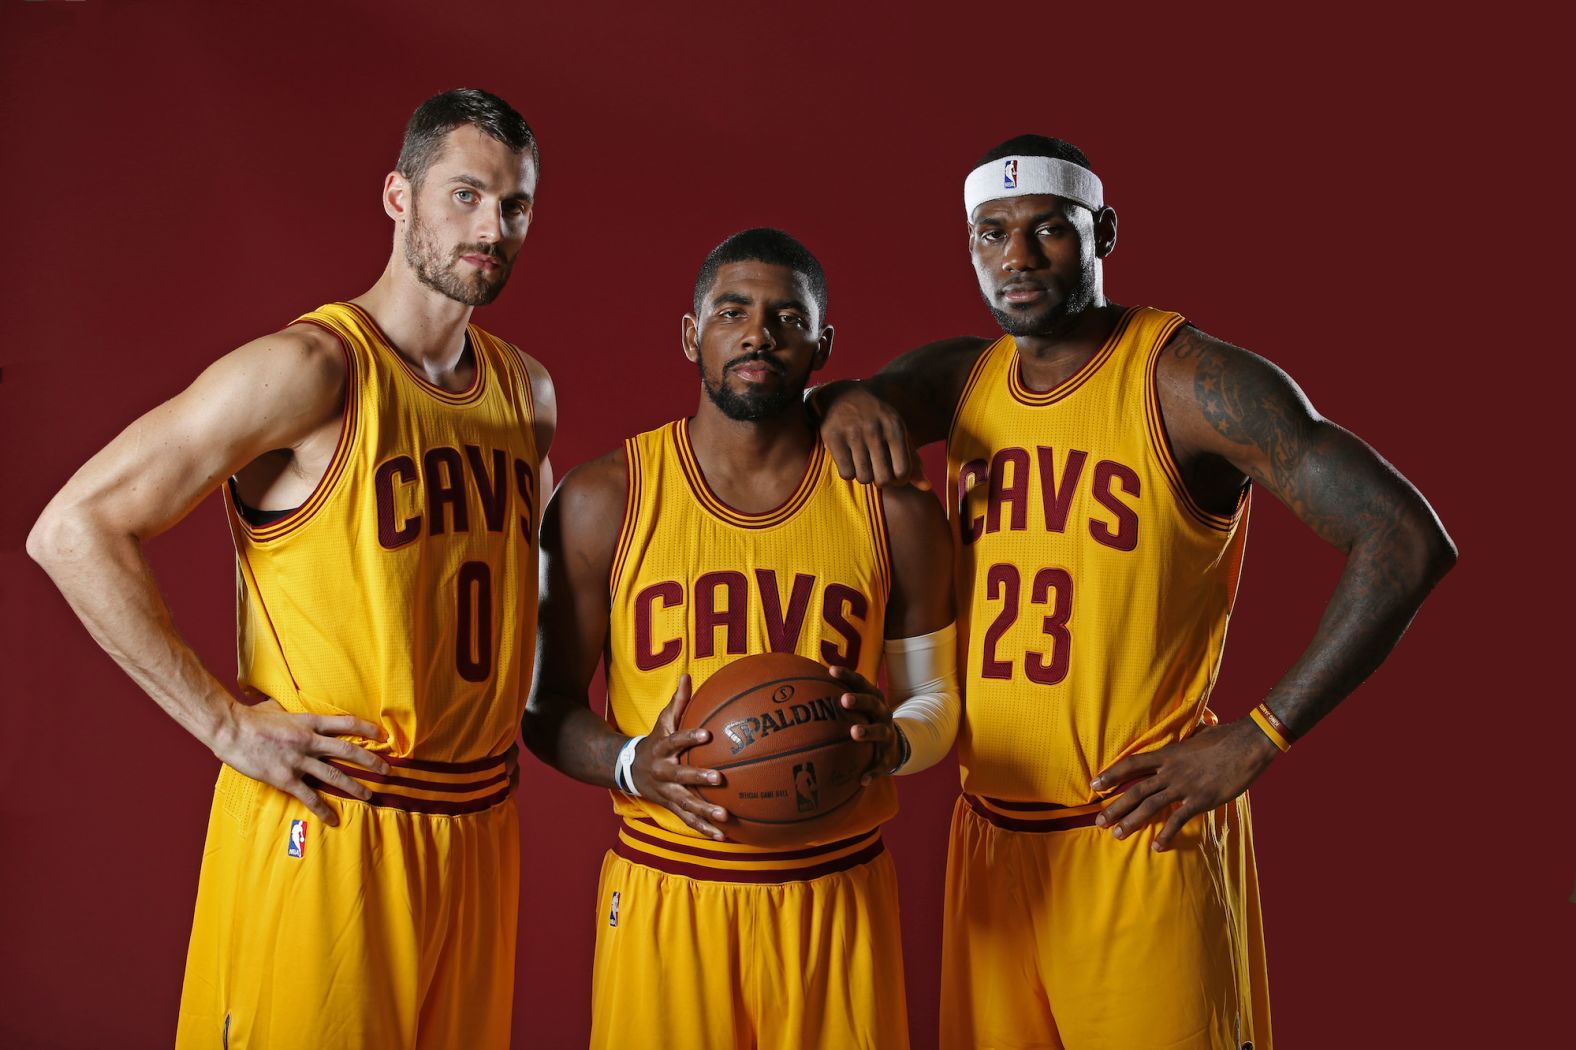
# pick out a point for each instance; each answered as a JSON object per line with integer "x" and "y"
{"x": 1273, "y": 727}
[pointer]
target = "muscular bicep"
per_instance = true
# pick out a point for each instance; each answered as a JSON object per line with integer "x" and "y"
{"x": 1226, "y": 407}
{"x": 920, "y": 539}
{"x": 272, "y": 393}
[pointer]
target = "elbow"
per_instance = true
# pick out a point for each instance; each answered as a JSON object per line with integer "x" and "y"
{"x": 1439, "y": 552}
{"x": 50, "y": 541}
{"x": 539, "y": 731}
{"x": 1445, "y": 560}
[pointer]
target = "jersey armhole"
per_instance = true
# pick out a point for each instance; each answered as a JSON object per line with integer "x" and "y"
{"x": 881, "y": 537}
{"x": 349, "y": 424}
{"x": 626, "y": 529}
{"x": 976, "y": 371}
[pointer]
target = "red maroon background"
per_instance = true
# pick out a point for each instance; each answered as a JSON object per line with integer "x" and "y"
{"x": 1351, "y": 193}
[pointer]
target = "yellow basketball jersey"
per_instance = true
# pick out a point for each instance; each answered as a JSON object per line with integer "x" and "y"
{"x": 697, "y": 584}
{"x": 1094, "y": 591}
{"x": 403, "y": 590}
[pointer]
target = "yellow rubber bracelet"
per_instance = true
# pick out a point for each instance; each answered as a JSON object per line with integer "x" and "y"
{"x": 1262, "y": 720}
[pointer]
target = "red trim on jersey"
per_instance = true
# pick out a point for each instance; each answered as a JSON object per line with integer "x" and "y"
{"x": 349, "y": 418}
{"x": 471, "y": 766}
{"x": 1025, "y": 395}
{"x": 1085, "y": 820}
{"x": 470, "y": 394}
{"x": 700, "y": 849}
{"x": 714, "y": 504}
{"x": 387, "y": 800}
{"x": 704, "y": 874}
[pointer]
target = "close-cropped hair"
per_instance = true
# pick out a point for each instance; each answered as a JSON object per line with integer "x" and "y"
{"x": 1036, "y": 146}
{"x": 441, "y": 114}
{"x": 767, "y": 245}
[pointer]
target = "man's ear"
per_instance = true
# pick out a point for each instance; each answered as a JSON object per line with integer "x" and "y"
{"x": 689, "y": 336}
{"x": 397, "y": 196}
{"x": 823, "y": 350}
{"x": 1104, "y": 232}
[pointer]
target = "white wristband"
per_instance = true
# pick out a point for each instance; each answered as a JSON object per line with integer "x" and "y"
{"x": 922, "y": 676}
{"x": 623, "y": 775}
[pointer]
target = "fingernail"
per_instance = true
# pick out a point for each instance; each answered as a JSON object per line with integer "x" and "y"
{"x": 1155, "y": 847}
{"x": 1099, "y": 821}
{"x": 1097, "y": 783}
{"x": 1118, "y": 832}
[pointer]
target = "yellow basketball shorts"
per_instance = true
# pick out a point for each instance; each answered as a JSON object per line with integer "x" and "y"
{"x": 393, "y": 930}
{"x": 694, "y": 961}
{"x": 1058, "y": 935}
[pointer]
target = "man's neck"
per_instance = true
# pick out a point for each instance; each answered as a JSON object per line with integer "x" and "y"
{"x": 425, "y": 327}
{"x": 1047, "y": 358}
{"x": 753, "y": 467}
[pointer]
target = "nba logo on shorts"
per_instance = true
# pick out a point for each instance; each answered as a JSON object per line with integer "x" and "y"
{"x": 612, "y": 915}
{"x": 1009, "y": 174}
{"x": 297, "y": 846}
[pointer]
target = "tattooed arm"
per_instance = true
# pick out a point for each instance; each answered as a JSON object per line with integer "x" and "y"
{"x": 1233, "y": 417}
{"x": 580, "y": 532}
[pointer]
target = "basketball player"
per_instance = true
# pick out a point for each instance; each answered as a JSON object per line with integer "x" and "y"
{"x": 712, "y": 537}
{"x": 1100, "y": 887}
{"x": 380, "y": 460}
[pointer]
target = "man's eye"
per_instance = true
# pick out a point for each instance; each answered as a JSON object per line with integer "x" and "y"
{"x": 465, "y": 196}
{"x": 793, "y": 319}
{"x": 1050, "y": 231}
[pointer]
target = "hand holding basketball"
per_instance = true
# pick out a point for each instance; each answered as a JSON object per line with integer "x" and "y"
{"x": 791, "y": 771}
{"x": 661, "y": 777}
{"x": 865, "y": 699}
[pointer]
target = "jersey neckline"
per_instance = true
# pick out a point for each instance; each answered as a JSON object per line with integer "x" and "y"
{"x": 1024, "y": 394}
{"x": 714, "y": 504}
{"x": 450, "y": 397}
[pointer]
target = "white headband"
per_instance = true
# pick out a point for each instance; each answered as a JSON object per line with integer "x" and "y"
{"x": 1021, "y": 176}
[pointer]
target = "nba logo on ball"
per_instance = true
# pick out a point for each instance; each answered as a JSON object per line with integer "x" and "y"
{"x": 805, "y": 792}
{"x": 1009, "y": 174}
{"x": 297, "y": 846}
{"x": 612, "y": 915}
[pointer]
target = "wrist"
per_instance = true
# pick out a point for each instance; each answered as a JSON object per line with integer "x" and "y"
{"x": 222, "y": 726}
{"x": 624, "y": 767}
{"x": 902, "y": 750}
{"x": 820, "y": 397}
{"x": 1271, "y": 728}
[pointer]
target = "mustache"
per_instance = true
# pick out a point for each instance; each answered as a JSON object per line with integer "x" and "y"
{"x": 492, "y": 251}
{"x": 1021, "y": 282}
{"x": 760, "y": 356}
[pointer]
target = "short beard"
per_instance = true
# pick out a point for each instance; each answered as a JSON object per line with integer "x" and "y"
{"x": 744, "y": 408}
{"x": 1052, "y": 319}
{"x": 425, "y": 259}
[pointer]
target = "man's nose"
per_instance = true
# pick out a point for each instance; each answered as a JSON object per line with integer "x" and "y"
{"x": 489, "y": 224}
{"x": 1021, "y": 253}
{"x": 759, "y": 335}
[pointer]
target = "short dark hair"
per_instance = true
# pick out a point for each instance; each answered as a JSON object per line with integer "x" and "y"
{"x": 441, "y": 114}
{"x": 767, "y": 245}
{"x": 1036, "y": 146}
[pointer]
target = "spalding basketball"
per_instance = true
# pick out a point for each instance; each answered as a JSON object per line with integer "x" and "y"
{"x": 779, "y": 737}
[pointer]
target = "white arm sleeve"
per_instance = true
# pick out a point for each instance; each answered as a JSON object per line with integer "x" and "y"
{"x": 922, "y": 674}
